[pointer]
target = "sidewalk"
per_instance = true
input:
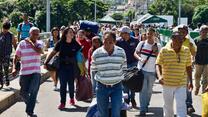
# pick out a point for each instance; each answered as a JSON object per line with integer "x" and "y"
{"x": 48, "y": 101}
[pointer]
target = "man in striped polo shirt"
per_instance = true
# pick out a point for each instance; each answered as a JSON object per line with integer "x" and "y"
{"x": 29, "y": 53}
{"x": 109, "y": 62}
{"x": 172, "y": 63}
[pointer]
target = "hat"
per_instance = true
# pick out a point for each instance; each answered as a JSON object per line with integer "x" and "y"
{"x": 124, "y": 29}
{"x": 62, "y": 27}
{"x": 203, "y": 27}
{"x": 175, "y": 32}
{"x": 182, "y": 26}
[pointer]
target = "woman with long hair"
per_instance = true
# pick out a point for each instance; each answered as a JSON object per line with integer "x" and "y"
{"x": 96, "y": 43}
{"x": 54, "y": 38}
{"x": 67, "y": 48}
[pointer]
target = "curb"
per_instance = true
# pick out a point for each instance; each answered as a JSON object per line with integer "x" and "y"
{"x": 10, "y": 95}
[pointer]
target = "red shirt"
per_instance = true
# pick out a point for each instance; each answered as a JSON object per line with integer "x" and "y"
{"x": 86, "y": 44}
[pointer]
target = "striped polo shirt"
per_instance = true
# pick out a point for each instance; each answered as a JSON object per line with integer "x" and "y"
{"x": 30, "y": 59}
{"x": 109, "y": 68}
{"x": 174, "y": 65}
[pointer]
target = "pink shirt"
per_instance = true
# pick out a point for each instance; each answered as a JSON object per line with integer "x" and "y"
{"x": 30, "y": 59}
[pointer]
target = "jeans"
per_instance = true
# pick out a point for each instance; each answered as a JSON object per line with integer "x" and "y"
{"x": 66, "y": 76}
{"x": 109, "y": 94}
{"x": 29, "y": 89}
{"x": 94, "y": 82}
{"x": 146, "y": 92}
{"x": 4, "y": 68}
{"x": 177, "y": 93}
{"x": 189, "y": 100}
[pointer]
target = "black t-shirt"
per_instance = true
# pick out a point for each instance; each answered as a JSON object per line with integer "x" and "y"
{"x": 5, "y": 44}
{"x": 129, "y": 47}
{"x": 67, "y": 50}
{"x": 201, "y": 57}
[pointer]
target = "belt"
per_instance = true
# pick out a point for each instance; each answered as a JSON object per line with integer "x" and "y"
{"x": 108, "y": 86}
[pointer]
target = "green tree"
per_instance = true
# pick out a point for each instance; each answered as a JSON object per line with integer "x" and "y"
{"x": 200, "y": 15}
{"x": 170, "y": 7}
{"x": 6, "y": 7}
{"x": 130, "y": 14}
{"x": 118, "y": 16}
{"x": 15, "y": 18}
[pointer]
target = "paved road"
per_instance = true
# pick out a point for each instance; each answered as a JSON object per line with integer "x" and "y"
{"x": 48, "y": 101}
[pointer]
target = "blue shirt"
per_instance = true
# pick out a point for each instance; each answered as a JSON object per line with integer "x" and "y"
{"x": 24, "y": 30}
{"x": 129, "y": 47}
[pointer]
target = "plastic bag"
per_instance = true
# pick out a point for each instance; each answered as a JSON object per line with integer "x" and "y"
{"x": 205, "y": 104}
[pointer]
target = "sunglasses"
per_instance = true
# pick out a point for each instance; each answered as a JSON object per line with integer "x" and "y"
{"x": 179, "y": 58}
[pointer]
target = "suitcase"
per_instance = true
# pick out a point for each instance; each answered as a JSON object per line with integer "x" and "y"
{"x": 89, "y": 25}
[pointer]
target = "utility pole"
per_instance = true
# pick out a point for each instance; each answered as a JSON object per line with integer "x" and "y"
{"x": 48, "y": 17}
{"x": 95, "y": 12}
{"x": 179, "y": 12}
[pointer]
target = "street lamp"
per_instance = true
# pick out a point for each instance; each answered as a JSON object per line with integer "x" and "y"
{"x": 48, "y": 18}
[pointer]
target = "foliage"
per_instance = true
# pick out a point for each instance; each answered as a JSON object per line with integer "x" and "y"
{"x": 6, "y": 8}
{"x": 15, "y": 18}
{"x": 170, "y": 7}
{"x": 200, "y": 15}
{"x": 130, "y": 14}
{"x": 63, "y": 12}
{"x": 118, "y": 16}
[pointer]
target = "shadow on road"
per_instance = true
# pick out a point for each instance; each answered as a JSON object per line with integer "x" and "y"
{"x": 9, "y": 89}
{"x": 76, "y": 109}
{"x": 194, "y": 115}
{"x": 153, "y": 112}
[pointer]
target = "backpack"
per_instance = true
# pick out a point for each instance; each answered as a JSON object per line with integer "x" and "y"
{"x": 31, "y": 25}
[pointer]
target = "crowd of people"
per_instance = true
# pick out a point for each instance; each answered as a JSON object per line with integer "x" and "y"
{"x": 108, "y": 55}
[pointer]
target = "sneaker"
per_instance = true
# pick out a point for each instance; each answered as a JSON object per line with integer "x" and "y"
{"x": 142, "y": 113}
{"x": 61, "y": 106}
{"x": 72, "y": 102}
{"x": 190, "y": 110}
{"x": 133, "y": 102}
{"x": 55, "y": 88}
{"x": 7, "y": 83}
{"x": 31, "y": 115}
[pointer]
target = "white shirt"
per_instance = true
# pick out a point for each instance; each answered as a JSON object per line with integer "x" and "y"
{"x": 145, "y": 51}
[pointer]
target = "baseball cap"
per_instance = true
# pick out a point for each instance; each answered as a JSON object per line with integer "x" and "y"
{"x": 182, "y": 26}
{"x": 203, "y": 27}
{"x": 124, "y": 29}
{"x": 175, "y": 32}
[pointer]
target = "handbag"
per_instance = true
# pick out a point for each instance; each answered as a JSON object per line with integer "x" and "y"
{"x": 133, "y": 78}
{"x": 83, "y": 89}
{"x": 54, "y": 63}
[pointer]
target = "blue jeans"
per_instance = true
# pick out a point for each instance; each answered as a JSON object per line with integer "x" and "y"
{"x": 104, "y": 94}
{"x": 94, "y": 82}
{"x": 146, "y": 92}
{"x": 66, "y": 76}
{"x": 29, "y": 89}
{"x": 189, "y": 98}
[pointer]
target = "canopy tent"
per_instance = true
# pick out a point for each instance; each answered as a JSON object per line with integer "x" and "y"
{"x": 107, "y": 19}
{"x": 148, "y": 18}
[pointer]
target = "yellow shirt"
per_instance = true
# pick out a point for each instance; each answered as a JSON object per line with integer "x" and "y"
{"x": 174, "y": 65}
